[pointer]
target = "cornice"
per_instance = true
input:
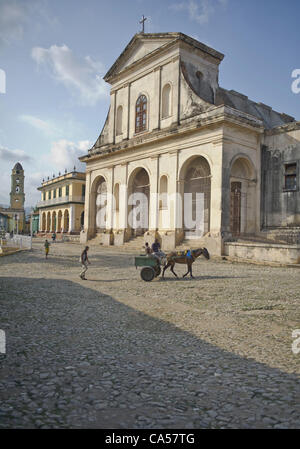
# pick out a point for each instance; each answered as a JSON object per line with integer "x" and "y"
{"x": 213, "y": 117}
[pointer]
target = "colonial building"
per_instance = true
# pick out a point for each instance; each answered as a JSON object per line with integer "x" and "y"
{"x": 171, "y": 130}
{"x": 61, "y": 208}
{"x": 15, "y": 213}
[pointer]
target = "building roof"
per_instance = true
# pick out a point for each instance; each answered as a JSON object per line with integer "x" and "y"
{"x": 66, "y": 177}
{"x": 18, "y": 166}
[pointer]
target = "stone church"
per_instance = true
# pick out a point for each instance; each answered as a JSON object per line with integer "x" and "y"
{"x": 171, "y": 130}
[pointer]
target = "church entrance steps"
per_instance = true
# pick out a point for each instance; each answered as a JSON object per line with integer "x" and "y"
{"x": 135, "y": 244}
{"x": 95, "y": 241}
{"x": 189, "y": 244}
{"x": 75, "y": 238}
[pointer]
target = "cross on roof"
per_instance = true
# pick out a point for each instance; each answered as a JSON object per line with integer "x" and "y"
{"x": 142, "y": 21}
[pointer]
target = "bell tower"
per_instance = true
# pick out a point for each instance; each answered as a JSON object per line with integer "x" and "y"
{"x": 17, "y": 195}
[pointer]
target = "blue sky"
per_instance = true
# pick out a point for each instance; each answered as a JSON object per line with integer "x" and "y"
{"x": 55, "y": 53}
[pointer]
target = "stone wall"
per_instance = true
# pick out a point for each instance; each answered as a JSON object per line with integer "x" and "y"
{"x": 280, "y": 206}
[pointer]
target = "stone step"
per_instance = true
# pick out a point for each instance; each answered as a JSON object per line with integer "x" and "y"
{"x": 189, "y": 244}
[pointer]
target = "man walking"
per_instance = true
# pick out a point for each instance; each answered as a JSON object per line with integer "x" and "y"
{"x": 84, "y": 262}
{"x": 46, "y": 245}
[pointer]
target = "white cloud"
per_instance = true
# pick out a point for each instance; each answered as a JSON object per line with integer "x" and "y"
{"x": 199, "y": 10}
{"x": 13, "y": 155}
{"x": 46, "y": 127}
{"x": 80, "y": 76}
{"x": 64, "y": 154}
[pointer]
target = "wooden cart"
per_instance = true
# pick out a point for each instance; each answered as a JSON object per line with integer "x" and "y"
{"x": 151, "y": 267}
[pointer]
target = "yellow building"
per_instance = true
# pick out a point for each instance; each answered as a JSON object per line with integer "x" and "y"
{"x": 61, "y": 208}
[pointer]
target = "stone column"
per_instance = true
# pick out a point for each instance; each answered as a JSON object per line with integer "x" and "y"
{"x": 127, "y": 111}
{"x": 56, "y": 224}
{"x": 109, "y": 207}
{"x": 124, "y": 197}
{"x": 216, "y": 188}
{"x": 111, "y": 129}
{"x": 153, "y": 206}
{"x": 170, "y": 238}
{"x": 41, "y": 221}
{"x": 123, "y": 233}
{"x": 177, "y": 90}
{"x": 88, "y": 230}
{"x": 71, "y": 218}
{"x": 157, "y": 97}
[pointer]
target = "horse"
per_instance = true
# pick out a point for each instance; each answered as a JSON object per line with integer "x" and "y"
{"x": 182, "y": 257}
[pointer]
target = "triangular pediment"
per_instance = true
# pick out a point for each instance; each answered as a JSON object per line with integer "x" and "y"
{"x": 143, "y": 46}
{"x": 138, "y": 48}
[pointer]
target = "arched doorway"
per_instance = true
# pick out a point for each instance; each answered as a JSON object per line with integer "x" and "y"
{"x": 66, "y": 221}
{"x": 196, "y": 197}
{"x": 138, "y": 202}
{"x": 242, "y": 197}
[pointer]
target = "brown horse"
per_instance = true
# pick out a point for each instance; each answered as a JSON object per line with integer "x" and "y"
{"x": 181, "y": 257}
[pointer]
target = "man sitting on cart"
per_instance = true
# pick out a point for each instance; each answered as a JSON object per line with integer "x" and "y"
{"x": 157, "y": 252}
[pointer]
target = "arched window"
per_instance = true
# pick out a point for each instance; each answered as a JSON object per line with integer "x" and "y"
{"x": 141, "y": 114}
{"x": 166, "y": 101}
{"x": 119, "y": 120}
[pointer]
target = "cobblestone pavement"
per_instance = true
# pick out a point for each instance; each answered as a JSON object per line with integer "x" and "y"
{"x": 116, "y": 352}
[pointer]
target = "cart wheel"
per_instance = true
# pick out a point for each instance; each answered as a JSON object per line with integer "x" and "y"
{"x": 147, "y": 274}
{"x": 157, "y": 271}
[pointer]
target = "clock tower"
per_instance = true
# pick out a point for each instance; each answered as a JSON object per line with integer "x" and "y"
{"x": 17, "y": 196}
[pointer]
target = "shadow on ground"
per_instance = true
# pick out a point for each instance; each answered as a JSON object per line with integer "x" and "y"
{"x": 79, "y": 358}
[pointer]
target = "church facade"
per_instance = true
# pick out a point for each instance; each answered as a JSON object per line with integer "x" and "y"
{"x": 196, "y": 152}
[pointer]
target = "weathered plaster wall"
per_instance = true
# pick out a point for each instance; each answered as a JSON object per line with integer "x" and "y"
{"x": 280, "y": 207}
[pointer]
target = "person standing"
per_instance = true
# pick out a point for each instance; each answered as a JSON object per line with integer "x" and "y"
{"x": 84, "y": 263}
{"x": 46, "y": 245}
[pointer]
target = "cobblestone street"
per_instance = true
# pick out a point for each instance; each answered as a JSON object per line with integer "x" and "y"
{"x": 117, "y": 352}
